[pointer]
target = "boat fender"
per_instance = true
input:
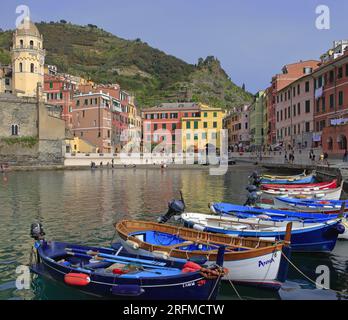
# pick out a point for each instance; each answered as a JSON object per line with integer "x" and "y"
{"x": 77, "y": 279}
{"x": 127, "y": 290}
{"x": 188, "y": 270}
{"x": 198, "y": 227}
{"x": 133, "y": 244}
{"x": 340, "y": 228}
{"x": 161, "y": 254}
{"x": 119, "y": 271}
{"x": 192, "y": 265}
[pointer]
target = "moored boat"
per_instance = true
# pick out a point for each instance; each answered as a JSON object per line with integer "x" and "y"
{"x": 305, "y": 237}
{"x": 249, "y": 261}
{"x": 295, "y": 180}
{"x": 329, "y": 194}
{"x": 115, "y": 273}
{"x": 301, "y": 187}
{"x": 310, "y": 205}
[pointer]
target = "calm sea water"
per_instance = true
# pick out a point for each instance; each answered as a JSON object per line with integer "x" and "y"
{"x": 81, "y": 207}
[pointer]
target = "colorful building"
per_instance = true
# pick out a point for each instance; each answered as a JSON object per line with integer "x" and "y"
{"x": 237, "y": 124}
{"x": 331, "y": 100}
{"x": 290, "y": 73}
{"x": 161, "y": 122}
{"x": 202, "y": 129}
{"x": 78, "y": 145}
{"x": 294, "y": 114}
{"x": 28, "y": 60}
{"x": 60, "y": 92}
{"x": 256, "y": 121}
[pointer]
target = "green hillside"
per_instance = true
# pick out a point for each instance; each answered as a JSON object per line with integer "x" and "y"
{"x": 152, "y": 75}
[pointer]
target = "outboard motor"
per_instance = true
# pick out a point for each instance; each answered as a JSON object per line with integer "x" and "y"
{"x": 175, "y": 207}
{"x": 253, "y": 196}
{"x": 37, "y": 232}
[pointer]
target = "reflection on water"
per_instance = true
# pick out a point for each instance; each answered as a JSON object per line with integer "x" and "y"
{"x": 81, "y": 206}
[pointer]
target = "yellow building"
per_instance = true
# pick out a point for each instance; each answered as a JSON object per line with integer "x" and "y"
{"x": 203, "y": 129}
{"x": 28, "y": 60}
{"x": 78, "y": 145}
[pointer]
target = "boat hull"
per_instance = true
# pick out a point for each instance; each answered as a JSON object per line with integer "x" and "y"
{"x": 332, "y": 194}
{"x": 302, "y": 180}
{"x": 302, "y": 187}
{"x": 189, "y": 286}
{"x": 259, "y": 271}
{"x": 320, "y": 237}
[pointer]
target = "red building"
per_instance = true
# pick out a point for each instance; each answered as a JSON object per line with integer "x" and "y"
{"x": 331, "y": 104}
{"x": 59, "y": 91}
{"x": 159, "y": 123}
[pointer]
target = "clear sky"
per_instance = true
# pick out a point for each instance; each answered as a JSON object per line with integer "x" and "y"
{"x": 252, "y": 38}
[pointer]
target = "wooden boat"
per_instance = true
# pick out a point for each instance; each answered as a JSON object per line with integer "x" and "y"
{"x": 283, "y": 177}
{"x": 249, "y": 261}
{"x": 301, "y": 187}
{"x": 305, "y": 237}
{"x": 330, "y": 194}
{"x": 115, "y": 273}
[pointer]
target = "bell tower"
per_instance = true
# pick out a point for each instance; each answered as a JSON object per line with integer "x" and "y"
{"x": 28, "y": 59}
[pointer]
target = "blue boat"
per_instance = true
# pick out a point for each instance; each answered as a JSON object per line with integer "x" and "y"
{"x": 271, "y": 214}
{"x": 305, "y": 237}
{"x": 300, "y": 180}
{"x": 311, "y": 205}
{"x": 115, "y": 273}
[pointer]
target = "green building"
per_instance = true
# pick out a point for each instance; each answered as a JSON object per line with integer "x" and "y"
{"x": 258, "y": 121}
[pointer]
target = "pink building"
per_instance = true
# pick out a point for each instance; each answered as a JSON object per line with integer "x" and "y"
{"x": 295, "y": 113}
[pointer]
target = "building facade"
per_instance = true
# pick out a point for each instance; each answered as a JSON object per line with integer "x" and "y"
{"x": 256, "y": 118}
{"x": 28, "y": 60}
{"x": 60, "y": 92}
{"x": 331, "y": 102}
{"x": 237, "y": 124}
{"x": 295, "y": 114}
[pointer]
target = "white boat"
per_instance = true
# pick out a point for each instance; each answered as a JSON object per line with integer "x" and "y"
{"x": 250, "y": 261}
{"x": 330, "y": 194}
{"x": 305, "y": 236}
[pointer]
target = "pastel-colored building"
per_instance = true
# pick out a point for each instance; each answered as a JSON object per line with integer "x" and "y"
{"x": 202, "y": 129}
{"x": 160, "y": 123}
{"x": 290, "y": 73}
{"x": 60, "y": 92}
{"x": 256, "y": 121}
{"x": 331, "y": 101}
{"x": 237, "y": 124}
{"x": 294, "y": 114}
{"x": 92, "y": 119}
{"x": 78, "y": 145}
{"x": 28, "y": 60}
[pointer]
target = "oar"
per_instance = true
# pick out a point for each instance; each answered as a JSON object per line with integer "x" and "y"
{"x": 103, "y": 255}
{"x": 115, "y": 260}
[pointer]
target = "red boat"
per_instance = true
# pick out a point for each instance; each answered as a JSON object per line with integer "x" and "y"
{"x": 308, "y": 187}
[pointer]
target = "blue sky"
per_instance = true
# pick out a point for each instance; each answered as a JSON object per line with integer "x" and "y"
{"x": 252, "y": 38}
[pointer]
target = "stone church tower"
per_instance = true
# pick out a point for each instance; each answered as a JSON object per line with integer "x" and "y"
{"x": 28, "y": 59}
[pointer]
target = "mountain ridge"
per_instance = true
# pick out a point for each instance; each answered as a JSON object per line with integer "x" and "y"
{"x": 151, "y": 74}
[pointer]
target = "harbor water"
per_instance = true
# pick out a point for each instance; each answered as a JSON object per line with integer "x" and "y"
{"x": 81, "y": 207}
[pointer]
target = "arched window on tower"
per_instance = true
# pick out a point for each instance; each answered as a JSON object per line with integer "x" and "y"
{"x": 21, "y": 67}
{"x": 14, "y": 130}
{"x": 21, "y": 43}
{"x": 31, "y": 44}
{"x": 32, "y": 68}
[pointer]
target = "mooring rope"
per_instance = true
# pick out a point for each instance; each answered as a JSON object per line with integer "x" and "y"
{"x": 235, "y": 290}
{"x": 309, "y": 279}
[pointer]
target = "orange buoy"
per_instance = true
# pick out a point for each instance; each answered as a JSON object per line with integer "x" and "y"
{"x": 188, "y": 270}
{"x": 77, "y": 279}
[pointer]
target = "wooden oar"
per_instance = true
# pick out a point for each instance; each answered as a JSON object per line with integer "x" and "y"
{"x": 101, "y": 259}
{"x": 95, "y": 253}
